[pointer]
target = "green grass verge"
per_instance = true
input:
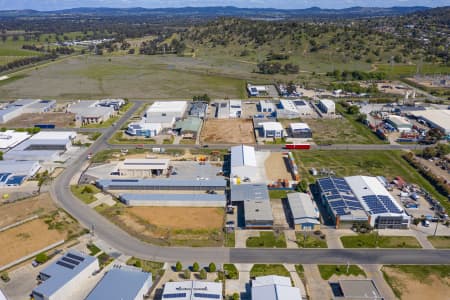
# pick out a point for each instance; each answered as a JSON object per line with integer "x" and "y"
{"x": 440, "y": 242}
{"x": 326, "y": 271}
{"x": 231, "y": 271}
{"x": 230, "y": 240}
{"x": 311, "y": 241}
{"x": 156, "y": 268}
{"x": 267, "y": 239}
{"x": 278, "y": 194}
{"x": 104, "y": 259}
{"x": 93, "y": 249}
{"x": 300, "y": 271}
{"x": 402, "y": 70}
{"x": 85, "y": 192}
{"x": 269, "y": 269}
{"x": 372, "y": 240}
{"x": 118, "y": 138}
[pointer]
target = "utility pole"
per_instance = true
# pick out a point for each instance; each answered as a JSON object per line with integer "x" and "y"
{"x": 435, "y": 229}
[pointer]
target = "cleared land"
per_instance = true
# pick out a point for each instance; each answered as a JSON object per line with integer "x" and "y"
{"x": 374, "y": 241}
{"x": 11, "y": 213}
{"x": 169, "y": 226}
{"x": 25, "y": 239}
{"x": 416, "y": 282}
{"x": 136, "y": 77}
{"x": 224, "y": 131}
{"x": 277, "y": 167}
{"x": 63, "y": 120}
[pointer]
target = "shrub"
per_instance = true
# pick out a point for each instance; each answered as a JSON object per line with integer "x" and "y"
{"x": 203, "y": 274}
{"x": 5, "y": 276}
{"x": 235, "y": 296}
{"x": 212, "y": 267}
{"x": 187, "y": 274}
{"x": 178, "y": 266}
{"x": 195, "y": 267}
{"x": 41, "y": 258}
{"x": 138, "y": 264}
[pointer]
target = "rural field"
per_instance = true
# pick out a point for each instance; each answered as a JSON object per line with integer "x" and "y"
{"x": 25, "y": 239}
{"x": 228, "y": 131}
{"x": 418, "y": 282}
{"x": 134, "y": 77}
{"x": 63, "y": 120}
{"x": 169, "y": 226}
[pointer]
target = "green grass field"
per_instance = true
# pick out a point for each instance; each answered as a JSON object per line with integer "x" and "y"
{"x": 311, "y": 241}
{"x": 267, "y": 239}
{"x": 402, "y": 70}
{"x": 326, "y": 271}
{"x": 135, "y": 77}
{"x": 440, "y": 242}
{"x": 85, "y": 192}
{"x": 376, "y": 241}
{"x": 354, "y": 162}
{"x": 271, "y": 269}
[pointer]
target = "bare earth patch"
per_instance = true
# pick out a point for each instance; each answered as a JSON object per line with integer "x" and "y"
{"x": 60, "y": 119}
{"x": 228, "y": 131}
{"x": 26, "y": 239}
{"x": 20, "y": 210}
{"x": 276, "y": 167}
{"x": 181, "y": 217}
{"x": 413, "y": 289}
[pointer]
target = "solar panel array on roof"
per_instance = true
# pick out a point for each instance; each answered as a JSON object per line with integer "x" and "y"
{"x": 66, "y": 265}
{"x": 4, "y": 177}
{"x": 379, "y": 204}
{"x": 15, "y": 180}
{"x": 339, "y": 195}
{"x": 174, "y": 296}
{"x": 207, "y": 296}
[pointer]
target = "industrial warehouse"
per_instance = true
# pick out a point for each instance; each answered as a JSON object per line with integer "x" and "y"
{"x": 361, "y": 200}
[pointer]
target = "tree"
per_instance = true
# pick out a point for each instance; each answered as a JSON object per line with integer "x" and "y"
{"x": 178, "y": 266}
{"x": 1, "y": 155}
{"x": 235, "y": 296}
{"x": 203, "y": 274}
{"x": 187, "y": 274}
{"x": 361, "y": 118}
{"x": 291, "y": 88}
{"x": 138, "y": 264}
{"x": 195, "y": 267}
{"x": 212, "y": 267}
{"x": 353, "y": 109}
{"x": 302, "y": 186}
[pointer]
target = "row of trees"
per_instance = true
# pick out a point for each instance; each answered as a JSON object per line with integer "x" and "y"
{"x": 27, "y": 61}
{"x": 356, "y": 75}
{"x": 60, "y": 50}
{"x": 266, "y": 67}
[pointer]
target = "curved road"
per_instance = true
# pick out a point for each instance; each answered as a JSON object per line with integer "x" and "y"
{"x": 129, "y": 245}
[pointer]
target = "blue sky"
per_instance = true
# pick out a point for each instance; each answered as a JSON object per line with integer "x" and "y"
{"x": 286, "y": 4}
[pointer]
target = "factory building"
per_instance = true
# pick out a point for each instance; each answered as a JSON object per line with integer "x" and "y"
{"x": 227, "y": 109}
{"x": 271, "y": 130}
{"x": 142, "y": 168}
{"x": 144, "y": 129}
{"x": 267, "y": 106}
{"x": 192, "y": 290}
{"x": 256, "y": 90}
{"x": 274, "y": 287}
{"x": 351, "y": 289}
{"x": 327, "y": 106}
{"x": 91, "y": 111}
{"x": 122, "y": 282}
{"x": 400, "y": 123}
{"x": 174, "y": 109}
{"x": 304, "y": 212}
{"x": 198, "y": 109}
{"x": 361, "y": 200}
{"x": 22, "y": 106}
{"x": 14, "y": 173}
{"x": 43, "y": 146}
{"x": 63, "y": 279}
{"x": 11, "y": 138}
{"x": 300, "y": 130}
{"x": 189, "y": 128}
{"x": 218, "y": 185}
{"x": 243, "y": 163}
{"x": 436, "y": 118}
{"x": 287, "y": 110}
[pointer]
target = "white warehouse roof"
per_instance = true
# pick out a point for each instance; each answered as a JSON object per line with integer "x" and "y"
{"x": 302, "y": 208}
{"x": 192, "y": 290}
{"x": 299, "y": 126}
{"x": 437, "y": 117}
{"x": 243, "y": 156}
{"x": 54, "y": 135}
{"x": 167, "y": 107}
{"x": 11, "y": 138}
{"x": 288, "y": 105}
{"x": 328, "y": 103}
{"x": 274, "y": 288}
{"x": 275, "y": 126}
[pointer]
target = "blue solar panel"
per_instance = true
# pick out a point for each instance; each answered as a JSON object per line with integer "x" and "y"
{"x": 208, "y": 296}
{"x": 4, "y": 177}
{"x": 15, "y": 180}
{"x": 174, "y": 295}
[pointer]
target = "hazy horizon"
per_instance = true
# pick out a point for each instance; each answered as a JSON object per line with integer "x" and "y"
{"x": 45, "y": 5}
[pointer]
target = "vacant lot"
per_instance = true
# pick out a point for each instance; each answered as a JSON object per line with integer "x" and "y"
{"x": 374, "y": 241}
{"x": 416, "y": 282}
{"x": 181, "y": 217}
{"x": 266, "y": 239}
{"x": 63, "y": 120}
{"x": 169, "y": 226}
{"x": 136, "y": 77}
{"x": 277, "y": 167}
{"x": 327, "y": 271}
{"x": 25, "y": 239}
{"x": 20, "y": 210}
{"x": 232, "y": 131}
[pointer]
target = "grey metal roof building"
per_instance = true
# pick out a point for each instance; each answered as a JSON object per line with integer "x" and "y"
{"x": 63, "y": 278}
{"x": 258, "y": 214}
{"x": 162, "y": 184}
{"x": 22, "y": 106}
{"x": 124, "y": 283}
{"x": 198, "y": 109}
{"x": 274, "y": 288}
{"x": 358, "y": 289}
{"x": 243, "y": 192}
{"x": 199, "y": 200}
{"x": 304, "y": 213}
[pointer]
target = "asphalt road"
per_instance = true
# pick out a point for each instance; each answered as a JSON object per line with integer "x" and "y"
{"x": 129, "y": 245}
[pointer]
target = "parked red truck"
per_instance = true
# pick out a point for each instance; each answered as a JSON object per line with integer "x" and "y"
{"x": 297, "y": 146}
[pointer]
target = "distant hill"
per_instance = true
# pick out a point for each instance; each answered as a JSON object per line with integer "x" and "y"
{"x": 227, "y": 11}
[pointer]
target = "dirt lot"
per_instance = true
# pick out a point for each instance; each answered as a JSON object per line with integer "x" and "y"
{"x": 181, "y": 217}
{"x": 62, "y": 120}
{"x": 25, "y": 239}
{"x": 412, "y": 288}
{"x": 277, "y": 167}
{"x": 232, "y": 131}
{"x": 14, "y": 212}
